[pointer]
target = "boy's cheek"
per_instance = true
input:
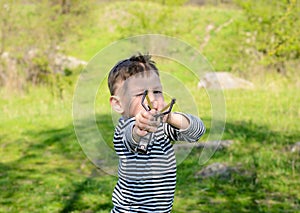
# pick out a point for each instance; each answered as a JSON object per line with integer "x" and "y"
{"x": 162, "y": 105}
{"x": 135, "y": 110}
{"x": 133, "y": 107}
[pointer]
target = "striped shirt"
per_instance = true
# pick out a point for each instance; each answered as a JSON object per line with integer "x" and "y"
{"x": 147, "y": 181}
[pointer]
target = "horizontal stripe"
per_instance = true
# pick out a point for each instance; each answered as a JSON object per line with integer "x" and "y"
{"x": 147, "y": 181}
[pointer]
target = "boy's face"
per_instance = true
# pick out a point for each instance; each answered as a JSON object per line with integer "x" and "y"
{"x": 131, "y": 93}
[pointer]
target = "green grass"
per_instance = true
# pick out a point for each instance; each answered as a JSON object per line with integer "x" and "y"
{"x": 119, "y": 20}
{"x": 261, "y": 138}
{"x": 42, "y": 165}
{"x": 43, "y": 168}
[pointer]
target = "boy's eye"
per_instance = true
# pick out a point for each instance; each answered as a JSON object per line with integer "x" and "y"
{"x": 154, "y": 92}
{"x": 139, "y": 94}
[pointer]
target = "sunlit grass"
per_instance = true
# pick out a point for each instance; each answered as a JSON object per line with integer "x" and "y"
{"x": 42, "y": 160}
{"x": 44, "y": 169}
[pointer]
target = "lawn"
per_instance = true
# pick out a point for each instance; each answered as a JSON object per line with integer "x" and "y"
{"x": 43, "y": 167}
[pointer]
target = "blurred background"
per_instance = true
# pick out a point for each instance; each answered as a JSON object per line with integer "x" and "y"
{"x": 44, "y": 45}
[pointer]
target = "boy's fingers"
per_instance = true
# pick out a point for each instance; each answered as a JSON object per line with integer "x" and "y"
{"x": 151, "y": 120}
{"x": 145, "y": 121}
{"x": 152, "y": 129}
{"x": 139, "y": 132}
{"x": 143, "y": 130}
{"x": 145, "y": 115}
{"x": 147, "y": 126}
{"x": 154, "y": 123}
{"x": 149, "y": 116}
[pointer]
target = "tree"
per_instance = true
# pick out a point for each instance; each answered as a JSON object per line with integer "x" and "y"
{"x": 274, "y": 30}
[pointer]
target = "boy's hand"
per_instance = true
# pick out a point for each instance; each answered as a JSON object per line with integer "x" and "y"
{"x": 166, "y": 118}
{"x": 145, "y": 122}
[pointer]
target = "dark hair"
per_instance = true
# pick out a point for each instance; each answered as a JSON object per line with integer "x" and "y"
{"x": 129, "y": 67}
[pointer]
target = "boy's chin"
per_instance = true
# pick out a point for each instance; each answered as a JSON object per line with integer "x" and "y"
{"x": 127, "y": 115}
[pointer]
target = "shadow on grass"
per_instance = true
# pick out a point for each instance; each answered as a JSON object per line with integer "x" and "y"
{"x": 248, "y": 131}
{"x": 252, "y": 190}
{"x": 92, "y": 185}
{"x": 49, "y": 169}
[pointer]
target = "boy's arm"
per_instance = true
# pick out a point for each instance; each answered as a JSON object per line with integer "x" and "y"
{"x": 178, "y": 120}
{"x": 179, "y": 127}
{"x": 184, "y": 127}
{"x": 125, "y": 134}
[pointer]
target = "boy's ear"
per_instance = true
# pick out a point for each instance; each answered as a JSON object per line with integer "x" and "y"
{"x": 116, "y": 104}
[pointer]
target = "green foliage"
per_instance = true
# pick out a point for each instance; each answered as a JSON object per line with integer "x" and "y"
{"x": 169, "y": 2}
{"x": 124, "y": 19}
{"x": 58, "y": 19}
{"x": 33, "y": 35}
{"x": 266, "y": 32}
{"x": 272, "y": 29}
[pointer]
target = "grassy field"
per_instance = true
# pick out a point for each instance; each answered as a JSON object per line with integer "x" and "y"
{"x": 43, "y": 168}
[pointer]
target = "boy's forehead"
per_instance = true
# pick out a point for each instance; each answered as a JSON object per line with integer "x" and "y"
{"x": 147, "y": 81}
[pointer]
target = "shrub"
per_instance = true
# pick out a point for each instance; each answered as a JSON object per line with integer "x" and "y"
{"x": 272, "y": 30}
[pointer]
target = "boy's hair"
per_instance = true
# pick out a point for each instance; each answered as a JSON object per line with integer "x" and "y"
{"x": 129, "y": 67}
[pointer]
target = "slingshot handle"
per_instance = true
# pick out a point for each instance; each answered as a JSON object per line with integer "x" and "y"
{"x": 144, "y": 143}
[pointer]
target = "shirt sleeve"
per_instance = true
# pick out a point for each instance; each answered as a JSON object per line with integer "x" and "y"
{"x": 191, "y": 134}
{"x": 127, "y": 139}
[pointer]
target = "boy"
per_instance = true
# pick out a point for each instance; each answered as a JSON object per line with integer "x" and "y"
{"x": 146, "y": 180}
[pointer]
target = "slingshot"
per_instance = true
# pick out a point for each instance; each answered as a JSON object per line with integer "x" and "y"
{"x": 146, "y": 140}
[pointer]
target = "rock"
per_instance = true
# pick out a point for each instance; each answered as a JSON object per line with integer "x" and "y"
{"x": 220, "y": 170}
{"x": 225, "y": 172}
{"x": 62, "y": 62}
{"x": 296, "y": 147}
{"x": 8, "y": 61}
{"x": 223, "y": 80}
{"x": 57, "y": 61}
{"x": 216, "y": 145}
{"x": 34, "y": 66}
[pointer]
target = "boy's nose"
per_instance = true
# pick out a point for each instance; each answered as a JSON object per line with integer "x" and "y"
{"x": 153, "y": 100}
{"x": 151, "y": 96}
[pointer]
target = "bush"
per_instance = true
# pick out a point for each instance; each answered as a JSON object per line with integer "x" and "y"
{"x": 272, "y": 30}
{"x": 32, "y": 35}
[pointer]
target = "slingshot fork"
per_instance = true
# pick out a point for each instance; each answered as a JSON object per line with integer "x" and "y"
{"x": 146, "y": 140}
